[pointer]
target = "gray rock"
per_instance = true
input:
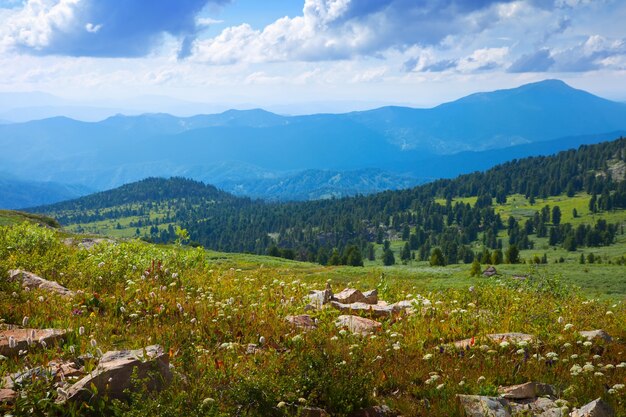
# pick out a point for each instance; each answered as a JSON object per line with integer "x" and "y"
{"x": 113, "y": 374}
{"x": 596, "y": 408}
{"x": 489, "y": 272}
{"x": 317, "y": 299}
{"x": 482, "y": 406}
{"x": 374, "y": 310}
{"x": 349, "y": 296}
{"x": 596, "y": 334}
{"x": 357, "y": 324}
{"x": 32, "y": 281}
{"x": 538, "y": 407}
{"x": 22, "y": 337}
{"x": 370, "y": 297}
{"x": 526, "y": 391}
{"x": 303, "y": 321}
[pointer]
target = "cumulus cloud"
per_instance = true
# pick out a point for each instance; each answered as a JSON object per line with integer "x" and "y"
{"x": 101, "y": 28}
{"x": 538, "y": 61}
{"x": 342, "y": 29}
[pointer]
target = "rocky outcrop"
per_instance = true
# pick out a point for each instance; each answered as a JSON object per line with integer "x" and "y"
{"x": 311, "y": 412}
{"x": 317, "y": 299}
{"x": 482, "y": 406}
{"x": 14, "y": 340}
{"x": 374, "y": 310}
{"x": 349, "y": 296}
{"x": 357, "y": 324}
{"x": 113, "y": 374}
{"x": 596, "y": 408}
{"x": 7, "y": 396}
{"x": 490, "y": 272}
{"x": 31, "y": 281}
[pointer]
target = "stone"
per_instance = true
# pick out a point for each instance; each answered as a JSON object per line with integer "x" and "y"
{"x": 32, "y": 281}
{"x": 375, "y": 310}
{"x": 370, "y": 297}
{"x": 112, "y": 376}
{"x": 349, "y": 296}
{"x": 537, "y": 407}
{"x": 596, "y": 334}
{"x": 7, "y": 396}
{"x": 357, "y": 324}
{"x": 317, "y": 299}
{"x": 375, "y": 411}
{"x": 497, "y": 338}
{"x": 311, "y": 412}
{"x": 489, "y": 272}
{"x": 22, "y": 336}
{"x": 303, "y": 321}
{"x": 526, "y": 391}
{"x": 596, "y": 408}
{"x": 482, "y": 406}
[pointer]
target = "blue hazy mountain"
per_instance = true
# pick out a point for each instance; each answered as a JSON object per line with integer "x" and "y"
{"x": 398, "y": 140}
{"x": 17, "y": 193}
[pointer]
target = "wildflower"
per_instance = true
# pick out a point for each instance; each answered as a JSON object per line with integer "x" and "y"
{"x": 560, "y": 320}
{"x": 343, "y": 332}
{"x": 520, "y": 351}
{"x": 296, "y": 338}
{"x": 208, "y": 401}
{"x": 471, "y": 289}
{"x": 598, "y": 374}
{"x": 101, "y": 264}
{"x": 41, "y": 299}
{"x": 609, "y": 313}
{"x": 504, "y": 344}
{"x": 396, "y": 346}
{"x": 81, "y": 330}
{"x": 587, "y": 344}
{"x": 334, "y": 338}
{"x": 621, "y": 365}
{"x": 281, "y": 404}
{"x": 588, "y": 367}
{"x": 568, "y": 326}
{"x": 72, "y": 349}
{"x": 25, "y": 321}
{"x": 3, "y": 358}
{"x": 552, "y": 355}
{"x": 618, "y": 387}
{"x": 12, "y": 342}
{"x": 567, "y": 345}
{"x": 461, "y": 383}
{"x": 481, "y": 379}
{"x": 440, "y": 387}
{"x": 93, "y": 343}
{"x": 575, "y": 370}
{"x": 43, "y": 343}
{"x": 428, "y": 356}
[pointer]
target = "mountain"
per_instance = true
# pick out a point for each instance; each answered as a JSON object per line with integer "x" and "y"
{"x": 17, "y": 193}
{"x": 319, "y": 184}
{"x": 123, "y": 149}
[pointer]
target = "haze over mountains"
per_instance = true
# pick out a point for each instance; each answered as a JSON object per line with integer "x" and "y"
{"x": 266, "y": 155}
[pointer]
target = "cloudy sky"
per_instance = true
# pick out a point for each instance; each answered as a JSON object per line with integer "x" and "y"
{"x": 356, "y": 53}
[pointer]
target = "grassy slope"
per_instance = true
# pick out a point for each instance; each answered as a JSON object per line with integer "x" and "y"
{"x": 10, "y": 217}
{"x": 216, "y": 299}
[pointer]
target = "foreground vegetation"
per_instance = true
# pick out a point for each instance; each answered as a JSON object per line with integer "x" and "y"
{"x": 205, "y": 307}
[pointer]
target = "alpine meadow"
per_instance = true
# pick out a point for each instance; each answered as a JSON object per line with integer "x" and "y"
{"x": 313, "y": 208}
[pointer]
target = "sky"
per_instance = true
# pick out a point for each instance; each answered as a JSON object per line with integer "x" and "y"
{"x": 308, "y": 55}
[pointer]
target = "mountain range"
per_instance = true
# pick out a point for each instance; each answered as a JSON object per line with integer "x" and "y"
{"x": 296, "y": 157}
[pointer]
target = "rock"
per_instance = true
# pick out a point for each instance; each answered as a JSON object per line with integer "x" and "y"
{"x": 537, "y": 407}
{"x": 349, "y": 296}
{"x": 32, "y": 281}
{"x": 252, "y": 349}
{"x": 489, "y": 272}
{"x": 22, "y": 336}
{"x": 596, "y": 408}
{"x": 358, "y": 324}
{"x": 319, "y": 298}
{"x": 370, "y": 297}
{"x": 375, "y": 310}
{"x": 497, "y": 338}
{"x": 113, "y": 374}
{"x": 375, "y": 411}
{"x": 7, "y": 396}
{"x": 303, "y": 321}
{"x": 596, "y": 334}
{"x": 311, "y": 412}
{"x": 526, "y": 391}
{"x": 481, "y": 406}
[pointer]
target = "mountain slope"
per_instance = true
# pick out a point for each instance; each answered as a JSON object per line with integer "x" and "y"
{"x": 17, "y": 193}
{"x": 123, "y": 149}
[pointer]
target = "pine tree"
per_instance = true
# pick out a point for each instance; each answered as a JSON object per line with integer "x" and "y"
{"x": 475, "y": 270}
{"x": 437, "y": 258}
{"x": 388, "y": 258}
{"x": 406, "y": 252}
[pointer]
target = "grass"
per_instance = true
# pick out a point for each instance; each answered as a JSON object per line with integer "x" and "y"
{"x": 204, "y": 307}
{"x": 10, "y": 217}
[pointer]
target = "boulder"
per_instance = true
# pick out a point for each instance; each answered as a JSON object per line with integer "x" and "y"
{"x": 375, "y": 310}
{"x": 489, "y": 272}
{"x": 596, "y": 408}
{"x": 482, "y": 406}
{"x": 7, "y": 396}
{"x": 317, "y": 299}
{"x": 596, "y": 334}
{"x": 303, "y": 321}
{"x": 526, "y": 391}
{"x": 357, "y": 324}
{"x": 375, "y": 411}
{"x": 349, "y": 296}
{"x": 370, "y": 297}
{"x": 112, "y": 376}
{"x": 32, "y": 281}
{"x": 537, "y": 407}
{"x": 22, "y": 337}
{"x": 497, "y": 338}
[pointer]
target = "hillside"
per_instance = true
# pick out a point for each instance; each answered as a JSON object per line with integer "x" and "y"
{"x": 17, "y": 193}
{"x": 413, "y": 218}
{"x": 122, "y": 149}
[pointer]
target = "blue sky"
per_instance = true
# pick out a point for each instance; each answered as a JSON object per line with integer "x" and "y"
{"x": 308, "y": 53}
